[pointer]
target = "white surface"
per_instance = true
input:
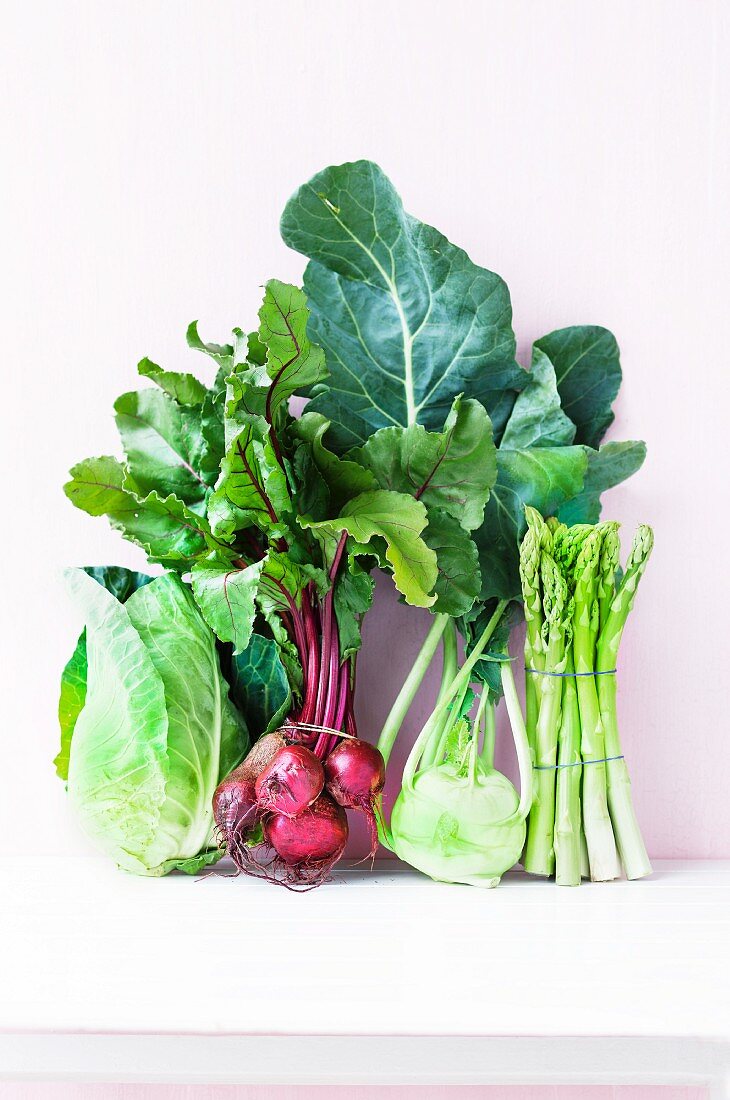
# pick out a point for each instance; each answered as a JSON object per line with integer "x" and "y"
{"x": 88, "y": 949}
{"x": 578, "y": 148}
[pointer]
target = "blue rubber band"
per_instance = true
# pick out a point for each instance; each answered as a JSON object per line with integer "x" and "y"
{"x": 575, "y": 764}
{"x": 562, "y": 675}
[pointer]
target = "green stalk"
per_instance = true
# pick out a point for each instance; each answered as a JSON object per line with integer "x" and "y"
{"x": 628, "y": 835}
{"x": 568, "y": 823}
{"x": 448, "y": 671}
{"x": 602, "y": 853}
{"x": 539, "y": 855}
{"x": 406, "y": 695}
{"x": 490, "y": 734}
{"x": 462, "y": 679}
{"x": 519, "y": 734}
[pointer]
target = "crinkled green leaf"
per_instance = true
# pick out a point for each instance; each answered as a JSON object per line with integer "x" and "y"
{"x": 194, "y": 865}
{"x": 226, "y": 595}
{"x": 544, "y": 477}
{"x": 225, "y": 355}
{"x": 399, "y": 520}
{"x": 184, "y": 388}
{"x": 161, "y": 441}
{"x": 170, "y": 532}
{"x": 537, "y": 418}
{"x": 588, "y": 373}
{"x": 406, "y": 320}
{"x": 608, "y": 466}
{"x": 353, "y": 596}
{"x": 452, "y": 470}
{"x": 343, "y": 478}
{"x": 293, "y": 362}
{"x": 459, "y": 582}
{"x": 253, "y": 482}
{"x": 259, "y": 685}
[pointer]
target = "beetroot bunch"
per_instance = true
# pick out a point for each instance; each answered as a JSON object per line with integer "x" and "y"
{"x": 281, "y": 813}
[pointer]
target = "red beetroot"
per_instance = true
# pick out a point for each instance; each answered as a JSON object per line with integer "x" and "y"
{"x": 290, "y": 782}
{"x": 312, "y": 841}
{"x": 234, "y": 806}
{"x": 355, "y": 776}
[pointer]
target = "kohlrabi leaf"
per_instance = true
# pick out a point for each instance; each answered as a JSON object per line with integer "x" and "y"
{"x": 343, "y": 478}
{"x": 259, "y": 685}
{"x": 206, "y": 737}
{"x": 226, "y": 595}
{"x": 608, "y": 466}
{"x": 183, "y": 388}
{"x": 487, "y": 670}
{"x": 459, "y": 582}
{"x": 405, "y": 318}
{"x": 451, "y": 471}
{"x": 119, "y": 764}
{"x": 544, "y": 477}
{"x": 161, "y": 441}
{"x": 588, "y": 373}
{"x": 353, "y": 596}
{"x": 293, "y": 362}
{"x": 120, "y": 582}
{"x": 169, "y": 531}
{"x": 537, "y": 418}
{"x": 397, "y": 519}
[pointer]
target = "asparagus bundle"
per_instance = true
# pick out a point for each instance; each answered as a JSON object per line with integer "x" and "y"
{"x": 576, "y": 599}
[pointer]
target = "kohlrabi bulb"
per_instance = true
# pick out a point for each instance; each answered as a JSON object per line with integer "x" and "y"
{"x": 459, "y": 828}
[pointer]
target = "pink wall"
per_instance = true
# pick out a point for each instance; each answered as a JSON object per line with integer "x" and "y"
{"x": 382, "y": 1092}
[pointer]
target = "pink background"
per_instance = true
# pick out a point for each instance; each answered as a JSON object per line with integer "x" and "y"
{"x": 580, "y": 150}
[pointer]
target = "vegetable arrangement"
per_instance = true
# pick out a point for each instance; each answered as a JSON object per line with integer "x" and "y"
{"x": 421, "y": 445}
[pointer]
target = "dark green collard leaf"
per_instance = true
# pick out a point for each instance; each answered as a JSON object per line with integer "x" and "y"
{"x": 451, "y": 471}
{"x": 121, "y": 583}
{"x": 293, "y": 362}
{"x": 183, "y": 388}
{"x": 459, "y": 582}
{"x": 398, "y": 520}
{"x": 353, "y": 596}
{"x": 588, "y": 372}
{"x": 170, "y": 533}
{"x": 226, "y": 596}
{"x": 344, "y": 479}
{"x": 406, "y": 320}
{"x": 608, "y": 466}
{"x": 161, "y": 441}
{"x": 259, "y": 685}
{"x": 543, "y": 477}
{"x": 537, "y": 418}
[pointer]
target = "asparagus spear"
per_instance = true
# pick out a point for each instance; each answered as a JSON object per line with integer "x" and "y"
{"x": 568, "y": 824}
{"x": 539, "y": 856}
{"x": 602, "y": 854}
{"x": 628, "y": 835}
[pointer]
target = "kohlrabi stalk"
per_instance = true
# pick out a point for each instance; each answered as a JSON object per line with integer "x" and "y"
{"x": 602, "y": 854}
{"x": 628, "y": 835}
{"x": 450, "y": 659}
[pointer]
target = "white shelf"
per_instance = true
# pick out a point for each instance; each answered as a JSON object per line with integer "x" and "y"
{"x": 589, "y": 980}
